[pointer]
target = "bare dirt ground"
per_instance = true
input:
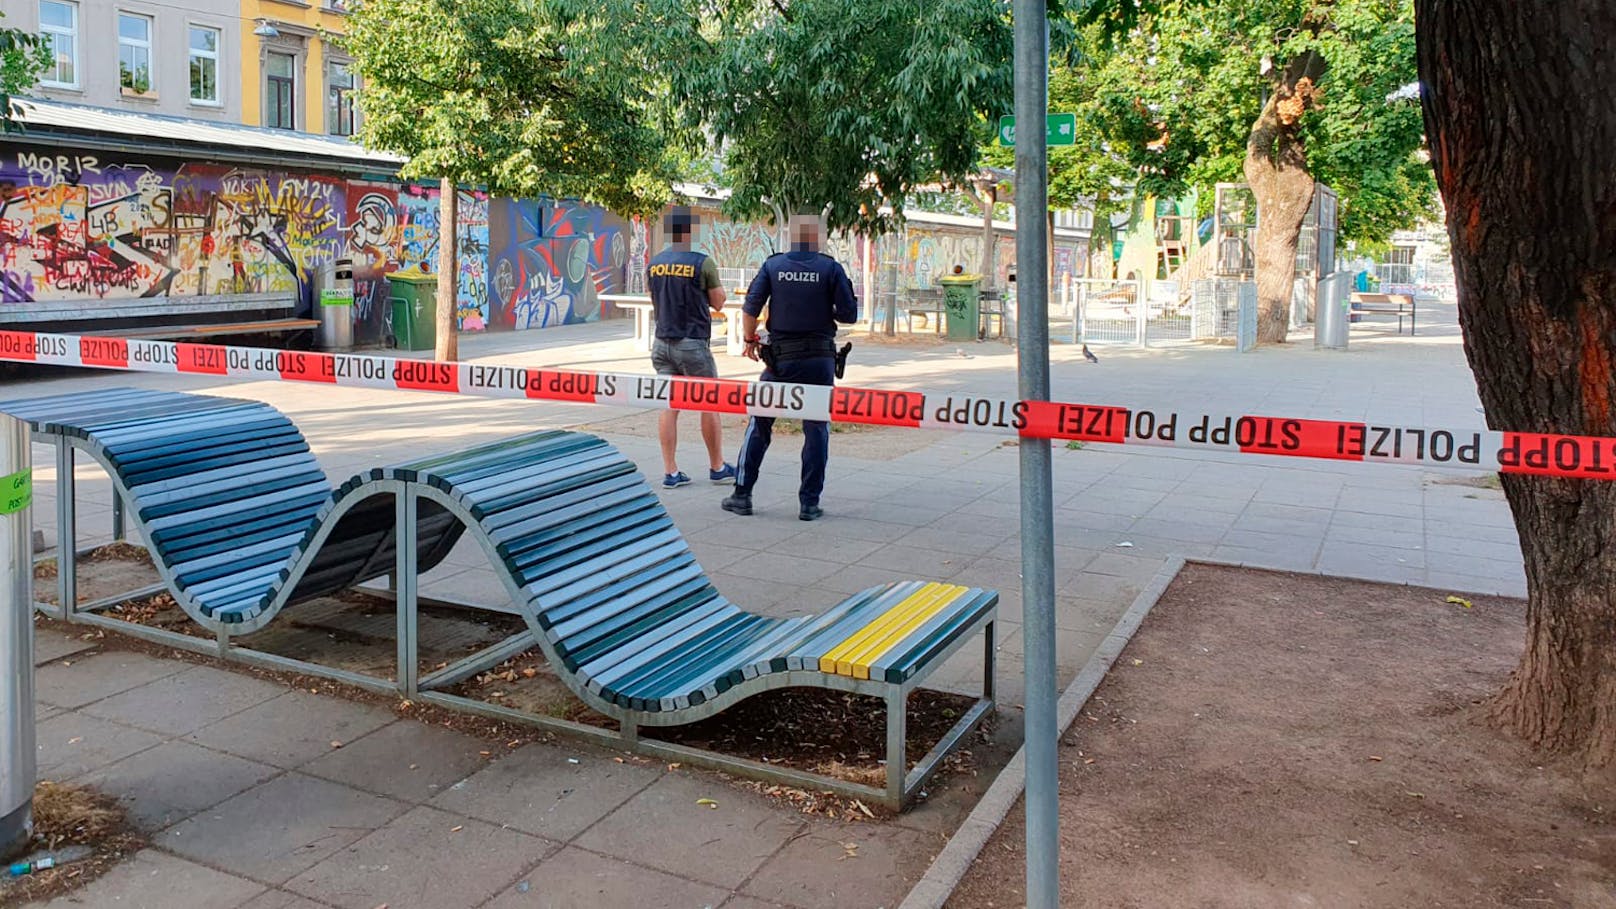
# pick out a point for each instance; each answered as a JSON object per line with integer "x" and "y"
{"x": 1274, "y": 740}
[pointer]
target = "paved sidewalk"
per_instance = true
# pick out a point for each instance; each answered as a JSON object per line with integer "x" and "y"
{"x": 240, "y": 777}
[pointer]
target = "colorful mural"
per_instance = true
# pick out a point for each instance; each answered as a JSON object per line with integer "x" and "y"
{"x": 84, "y": 227}
{"x": 549, "y": 263}
{"x": 734, "y": 244}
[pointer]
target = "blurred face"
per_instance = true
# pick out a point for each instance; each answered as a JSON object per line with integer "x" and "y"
{"x": 683, "y": 226}
{"x": 806, "y": 232}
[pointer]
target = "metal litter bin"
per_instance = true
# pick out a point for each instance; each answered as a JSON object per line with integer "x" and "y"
{"x": 962, "y": 302}
{"x": 1334, "y": 312}
{"x": 415, "y": 310}
{"x": 336, "y": 306}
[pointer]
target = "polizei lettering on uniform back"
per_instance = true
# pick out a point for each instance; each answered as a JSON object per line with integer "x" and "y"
{"x": 805, "y": 277}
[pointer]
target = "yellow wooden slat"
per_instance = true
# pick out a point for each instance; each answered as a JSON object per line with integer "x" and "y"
{"x": 877, "y": 631}
{"x": 895, "y": 634}
{"x": 840, "y": 659}
{"x": 827, "y": 663}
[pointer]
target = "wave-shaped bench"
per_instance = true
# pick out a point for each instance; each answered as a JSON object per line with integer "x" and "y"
{"x": 242, "y": 523}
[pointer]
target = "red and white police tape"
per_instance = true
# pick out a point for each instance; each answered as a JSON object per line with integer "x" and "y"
{"x": 1587, "y": 457}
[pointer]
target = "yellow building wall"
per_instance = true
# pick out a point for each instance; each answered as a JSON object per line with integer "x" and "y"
{"x": 311, "y": 17}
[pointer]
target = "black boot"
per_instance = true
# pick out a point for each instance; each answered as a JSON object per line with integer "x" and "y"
{"x": 738, "y": 503}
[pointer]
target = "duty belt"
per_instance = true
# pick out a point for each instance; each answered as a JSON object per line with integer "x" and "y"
{"x": 802, "y": 348}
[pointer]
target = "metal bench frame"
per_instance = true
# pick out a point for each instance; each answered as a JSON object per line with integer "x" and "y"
{"x": 903, "y": 783}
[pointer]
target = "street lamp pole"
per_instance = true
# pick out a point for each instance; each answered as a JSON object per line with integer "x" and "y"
{"x": 1037, "y": 509}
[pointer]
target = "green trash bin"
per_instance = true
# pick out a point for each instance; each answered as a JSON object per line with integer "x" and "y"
{"x": 962, "y": 302}
{"x": 415, "y": 311}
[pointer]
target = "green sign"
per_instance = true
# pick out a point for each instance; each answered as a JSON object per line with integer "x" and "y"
{"x": 16, "y": 491}
{"x": 336, "y": 296}
{"x": 1059, "y": 129}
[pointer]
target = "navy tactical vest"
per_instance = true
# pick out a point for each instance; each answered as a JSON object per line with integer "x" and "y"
{"x": 677, "y": 296}
{"x": 808, "y": 293}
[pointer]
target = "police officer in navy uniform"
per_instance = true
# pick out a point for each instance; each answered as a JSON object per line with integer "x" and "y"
{"x": 807, "y": 293}
{"x": 685, "y": 292}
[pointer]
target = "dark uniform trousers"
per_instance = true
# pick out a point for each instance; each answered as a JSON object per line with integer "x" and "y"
{"x": 815, "y": 433}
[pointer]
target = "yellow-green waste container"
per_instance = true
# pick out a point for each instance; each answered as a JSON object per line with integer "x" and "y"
{"x": 962, "y": 302}
{"x": 415, "y": 311}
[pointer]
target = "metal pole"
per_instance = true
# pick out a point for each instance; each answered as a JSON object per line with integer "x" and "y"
{"x": 16, "y": 639}
{"x": 1037, "y": 508}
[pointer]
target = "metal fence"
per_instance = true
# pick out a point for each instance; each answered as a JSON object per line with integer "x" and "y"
{"x": 1217, "y": 305}
{"x": 1107, "y": 312}
{"x": 1169, "y": 314}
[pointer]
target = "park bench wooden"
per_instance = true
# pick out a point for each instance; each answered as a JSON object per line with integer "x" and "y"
{"x": 241, "y": 524}
{"x": 167, "y": 318}
{"x": 1399, "y": 305}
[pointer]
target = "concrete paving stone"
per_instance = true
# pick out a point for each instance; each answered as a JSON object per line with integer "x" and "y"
{"x": 809, "y": 601}
{"x": 1310, "y": 514}
{"x": 823, "y": 540}
{"x": 713, "y": 556}
{"x": 914, "y": 562}
{"x": 1088, "y": 614}
{"x": 1367, "y": 536}
{"x": 1338, "y": 554}
{"x": 1377, "y": 501}
{"x": 1483, "y": 568}
{"x": 74, "y": 683}
{"x": 44, "y": 712}
{"x": 1379, "y": 521}
{"x": 852, "y": 579}
{"x": 1198, "y": 508}
{"x": 1123, "y": 564}
{"x": 910, "y": 516}
{"x": 1270, "y": 559}
{"x": 292, "y": 729}
{"x": 1143, "y": 482}
{"x": 1102, "y": 587}
{"x": 865, "y": 858}
{"x": 166, "y": 784}
{"x": 783, "y": 569}
{"x": 578, "y": 878}
{"x": 740, "y": 901}
{"x": 1292, "y": 548}
{"x": 51, "y": 645}
{"x": 406, "y": 760}
{"x": 720, "y": 846}
{"x": 1072, "y": 648}
{"x": 749, "y": 593}
{"x": 1077, "y": 515}
{"x": 553, "y": 791}
{"x": 1157, "y": 548}
{"x": 426, "y": 859}
{"x": 1473, "y": 548}
{"x": 471, "y": 585}
{"x": 69, "y": 744}
{"x": 1189, "y": 531}
{"x": 152, "y": 880}
{"x": 760, "y": 531}
{"x": 187, "y": 701}
{"x": 1248, "y": 523}
{"x": 1122, "y": 503}
{"x": 277, "y": 829}
{"x": 962, "y": 535}
{"x": 280, "y": 899}
{"x": 1469, "y": 583}
{"x": 862, "y": 528}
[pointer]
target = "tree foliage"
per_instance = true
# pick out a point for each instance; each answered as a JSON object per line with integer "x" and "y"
{"x": 23, "y": 57}
{"x": 842, "y": 104}
{"x": 523, "y": 97}
{"x": 1172, "y": 90}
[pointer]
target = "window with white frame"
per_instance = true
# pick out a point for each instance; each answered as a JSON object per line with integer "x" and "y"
{"x": 59, "y": 24}
{"x": 341, "y": 116}
{"x": 135, "y": 53}
{"x": 280, "y": 90}
{"x": 204, "y": 44}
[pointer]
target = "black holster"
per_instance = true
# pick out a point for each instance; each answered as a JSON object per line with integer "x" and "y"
{"x": 767, "y": 354}
{"x": 841, "y": 358}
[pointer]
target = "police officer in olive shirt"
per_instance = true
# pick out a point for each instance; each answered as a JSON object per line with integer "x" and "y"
{"x": 807, "y": 293}
{"x": 685, "y": 292}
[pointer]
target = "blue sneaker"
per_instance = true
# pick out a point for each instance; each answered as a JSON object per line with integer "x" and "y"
{"x": 675, "y": 480}
{"x": 723, "y": 476}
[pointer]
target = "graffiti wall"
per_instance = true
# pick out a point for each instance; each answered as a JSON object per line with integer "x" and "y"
{"x": 550, "y": 262}
{"x": 93, "y": 228}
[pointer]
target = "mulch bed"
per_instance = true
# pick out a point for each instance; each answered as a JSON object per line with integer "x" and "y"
{"x": 1274, "y": 740}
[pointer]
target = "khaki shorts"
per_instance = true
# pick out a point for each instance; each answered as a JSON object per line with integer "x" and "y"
{"x": 684, "y": 357}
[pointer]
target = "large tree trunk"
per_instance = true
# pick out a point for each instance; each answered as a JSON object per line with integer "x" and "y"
{"x": 1521, "y": 123}
{"x": 448, "y": 341}
{"x": 1276, "y": 168}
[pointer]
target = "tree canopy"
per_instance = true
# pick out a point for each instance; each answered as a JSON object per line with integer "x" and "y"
{"x": 521, "y": 97}
{"x": 22, "y": 58}
{"x": 843, "y": 104}
{"x": 1172, "y": 89}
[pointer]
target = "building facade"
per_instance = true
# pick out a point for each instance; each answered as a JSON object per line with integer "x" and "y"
{"x": 292, "y": 76}
{"x": 175, "y": 57}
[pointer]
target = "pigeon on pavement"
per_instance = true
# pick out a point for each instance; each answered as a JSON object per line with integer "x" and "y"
{"x": 1089, "y": 355}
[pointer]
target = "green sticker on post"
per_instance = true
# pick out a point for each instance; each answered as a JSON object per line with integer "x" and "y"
{"x": 16, "y": 491}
